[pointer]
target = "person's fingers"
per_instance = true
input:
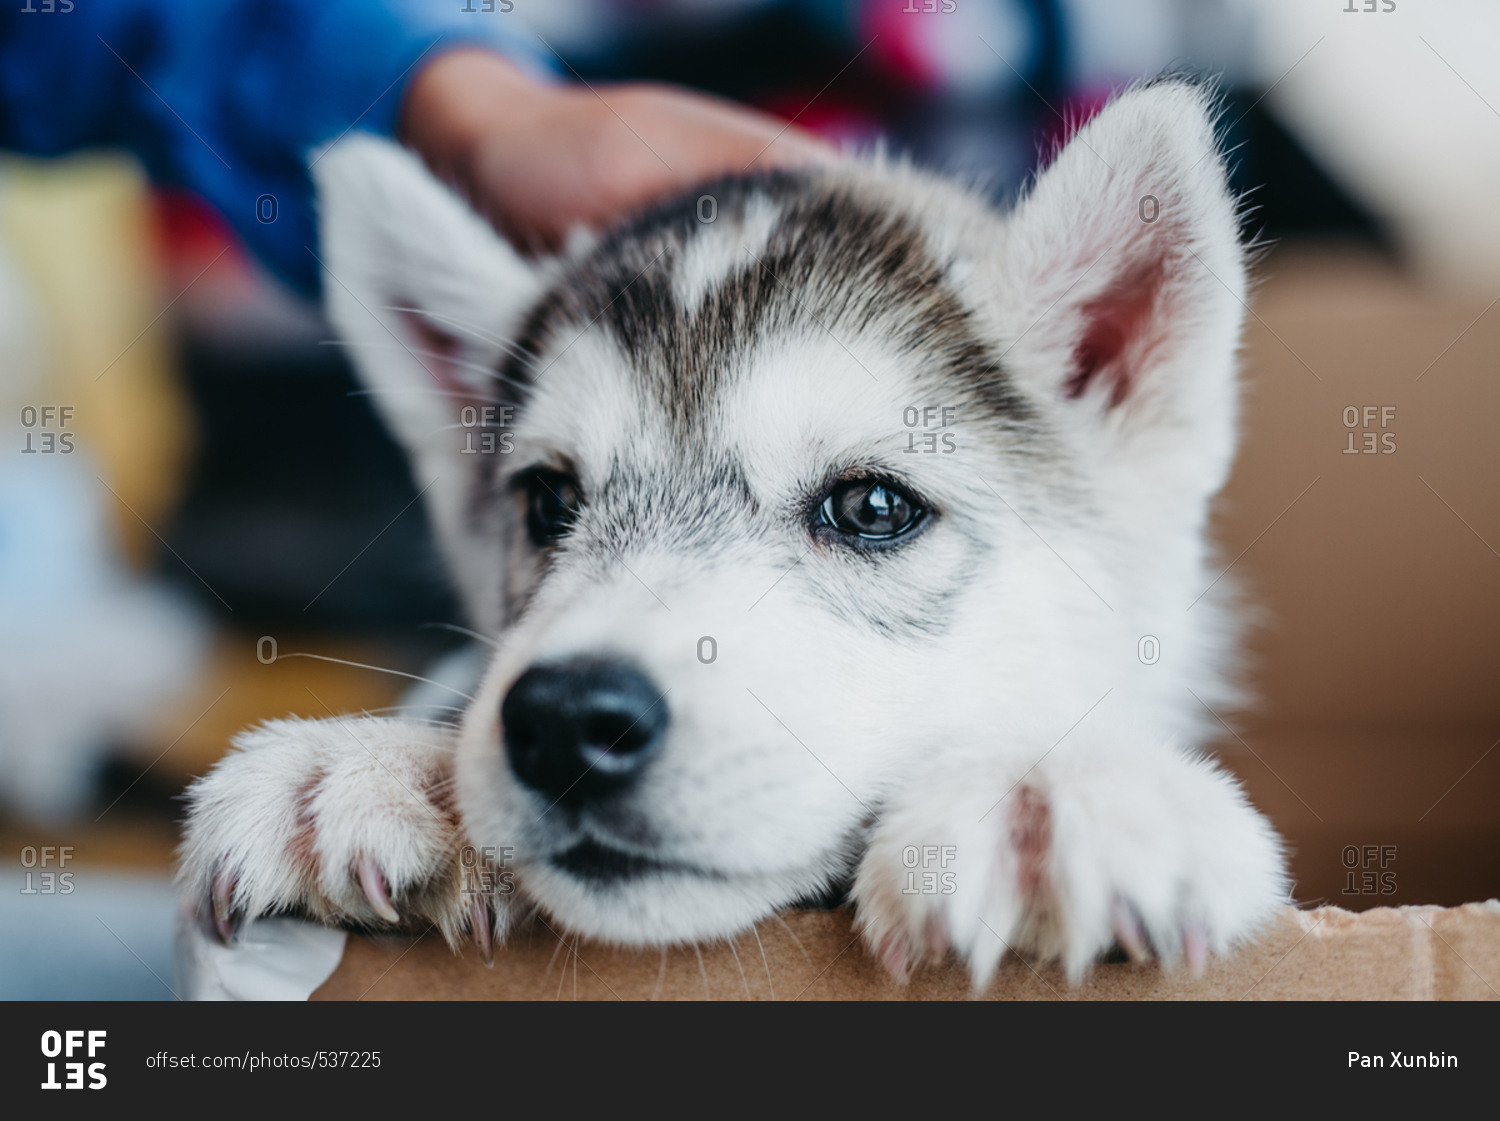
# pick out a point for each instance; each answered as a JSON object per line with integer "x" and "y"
{"x": 540, "y": 160}
{"x": 618, "y": 150}
{"x": 698, "y": 137}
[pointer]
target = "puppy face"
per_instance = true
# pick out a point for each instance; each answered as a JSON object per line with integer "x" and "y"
{"x": 796, "y": 499}
{"x": 712, "y": 490}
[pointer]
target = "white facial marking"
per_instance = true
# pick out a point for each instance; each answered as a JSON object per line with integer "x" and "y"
{"x": 721, "y": 246}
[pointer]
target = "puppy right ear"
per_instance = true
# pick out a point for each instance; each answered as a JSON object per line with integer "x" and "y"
{"x": 1123, "y": 290}
{"x": 427, "y": 296}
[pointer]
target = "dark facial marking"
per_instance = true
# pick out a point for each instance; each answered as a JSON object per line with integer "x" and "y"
{"x": 836, "y": 261}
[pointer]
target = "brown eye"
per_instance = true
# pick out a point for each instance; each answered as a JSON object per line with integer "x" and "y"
{"x": 553, "y": 501}
{"x": 871, "y": 509}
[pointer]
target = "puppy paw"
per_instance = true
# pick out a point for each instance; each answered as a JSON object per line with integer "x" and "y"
{"x": 1135, "y": 843}
{"x": 349, "y": 821}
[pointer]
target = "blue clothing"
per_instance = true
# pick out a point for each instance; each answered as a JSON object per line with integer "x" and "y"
{"x": 226, "y": 97}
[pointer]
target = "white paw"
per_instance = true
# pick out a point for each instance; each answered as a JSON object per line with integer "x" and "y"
{"x": 346, "y": 820}
{"x": 1134, "y": 842}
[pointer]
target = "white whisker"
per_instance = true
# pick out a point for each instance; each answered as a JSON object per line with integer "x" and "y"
{"x": 430, "y": 391}
{"x": 553, "y": 959}
{"x": 764, "y": 961}
{"x": 380, "y": 669}
{"x": 463, "y": 630}
{"x": 413, "y": 719}
{"x": 661, "y": 975}
{"x": 744, "y": 980}
{"x": 506, "y": 344}
{"x": 792, "y": 935}
{"x": 467, "y": 427}
{"x": 706, "y": 994}
{"x": 420, "y": 352}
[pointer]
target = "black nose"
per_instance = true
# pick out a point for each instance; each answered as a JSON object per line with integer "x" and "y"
{"x": 582, "y": 730}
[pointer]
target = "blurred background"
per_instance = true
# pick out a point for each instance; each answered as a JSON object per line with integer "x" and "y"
{"x": 192, "y": 485}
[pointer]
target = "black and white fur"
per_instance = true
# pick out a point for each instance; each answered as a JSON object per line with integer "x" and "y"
{"x": 969, "y": 699}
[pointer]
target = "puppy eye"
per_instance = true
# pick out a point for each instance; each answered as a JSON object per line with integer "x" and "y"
{"x": 871, "y": 509}
{"x": 552, "y": 504}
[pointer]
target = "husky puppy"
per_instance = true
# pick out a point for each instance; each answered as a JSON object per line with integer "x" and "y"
{"x": 836, "y": 534}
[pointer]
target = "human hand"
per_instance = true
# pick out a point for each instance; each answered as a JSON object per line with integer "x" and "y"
{"x": 540, "y": 159}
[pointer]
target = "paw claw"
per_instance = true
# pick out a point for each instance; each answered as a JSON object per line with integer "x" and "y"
{"x": 937, "y": 936}
{"x": 481, "y": 930}
{"x": 896, "y": 957}
{"x": 1129, "y": 931}
{"x": 1195, "y": 948}
{"x": 226, "y": 920}
{"x": 373, "y": 884}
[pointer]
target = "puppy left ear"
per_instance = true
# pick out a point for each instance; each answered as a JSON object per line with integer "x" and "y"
{"x": 427, "y": 296}
{"x": 1124, "y": 281}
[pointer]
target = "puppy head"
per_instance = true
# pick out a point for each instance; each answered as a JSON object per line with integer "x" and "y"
{"x": 764, "y": 493}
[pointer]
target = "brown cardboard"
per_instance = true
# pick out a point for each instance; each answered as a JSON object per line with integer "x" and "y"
{"x": 1379, "y": 587}
{"x": 1377, "y": 651}
{"x": 1376, "y": 580}
{"x": 1406, "y": 953}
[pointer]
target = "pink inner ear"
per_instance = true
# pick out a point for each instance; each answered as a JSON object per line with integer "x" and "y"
{"x": 435, "y": 348}
{"x": 1122, "y": 328}
{"x": 439, "y": 353}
